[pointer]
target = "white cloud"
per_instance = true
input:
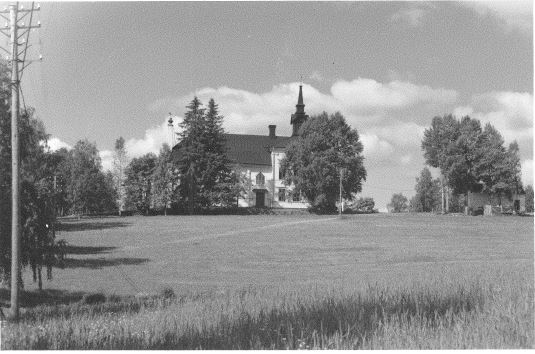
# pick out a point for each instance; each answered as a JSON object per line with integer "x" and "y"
{"x": 375, "y": 148}
{"x": 152, "y": 141}
{"x": 514, "y": 14}
{"x": 365, "y": 95}
{"x": 364, "y": 102}
{"x": 406, "y": 159}
{"x": 56, "y": 144}
{"x": 106, "y": 157}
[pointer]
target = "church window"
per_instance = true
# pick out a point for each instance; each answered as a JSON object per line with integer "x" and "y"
{"x": 280, "y": 174}
{"x": 282, "y": 195}
{"x": 260, "y": 179}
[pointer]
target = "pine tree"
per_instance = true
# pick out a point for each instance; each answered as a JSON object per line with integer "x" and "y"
{"x": 206, "y": 179}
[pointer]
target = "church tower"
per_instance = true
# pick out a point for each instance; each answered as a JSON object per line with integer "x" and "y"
{"x": 299, "y": 117}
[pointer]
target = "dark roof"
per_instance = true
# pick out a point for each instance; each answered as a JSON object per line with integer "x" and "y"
{"x": 249, "y": 149}
{"x": 253, "y": 149}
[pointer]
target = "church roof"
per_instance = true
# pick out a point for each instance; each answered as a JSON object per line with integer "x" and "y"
{"x": 249, "y": 149}
{"x": 253, "y": 149}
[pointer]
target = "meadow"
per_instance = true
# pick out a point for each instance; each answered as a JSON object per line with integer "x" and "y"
{"x": 276, "y": 282}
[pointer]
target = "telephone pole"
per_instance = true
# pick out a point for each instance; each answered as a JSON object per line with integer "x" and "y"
{"x": 17, "y": 67}
{"x": 15, "y": 167}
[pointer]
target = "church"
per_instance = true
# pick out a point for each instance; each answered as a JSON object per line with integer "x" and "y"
{"x": 258, "y": 158}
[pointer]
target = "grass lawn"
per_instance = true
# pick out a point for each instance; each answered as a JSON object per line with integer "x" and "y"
{"x": 140, "y": 254}
{"x": 288, "y": 282}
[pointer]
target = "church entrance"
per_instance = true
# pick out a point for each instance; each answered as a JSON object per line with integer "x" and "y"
{"x": 260, "y": 199}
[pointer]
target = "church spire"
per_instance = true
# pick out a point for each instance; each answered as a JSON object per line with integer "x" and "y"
{"x": 299, "y": 117}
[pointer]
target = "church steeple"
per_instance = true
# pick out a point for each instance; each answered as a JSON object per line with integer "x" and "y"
{"x": 299, "y": 117}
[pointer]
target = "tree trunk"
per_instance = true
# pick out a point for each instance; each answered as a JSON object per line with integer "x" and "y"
{"x": 447, "y": 199}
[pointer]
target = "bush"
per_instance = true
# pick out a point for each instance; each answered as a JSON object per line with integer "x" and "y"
{"x": 167, "y": 293}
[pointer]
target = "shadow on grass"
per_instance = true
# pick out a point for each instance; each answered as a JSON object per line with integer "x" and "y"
{"x": 90, "y": 225}
{"x": 87, "y": 250}
{"x": 328, "y": 323}
{"x": 42, "y": 297}
{"x": 315, "y": 325}
{"x": 97, "y": 263}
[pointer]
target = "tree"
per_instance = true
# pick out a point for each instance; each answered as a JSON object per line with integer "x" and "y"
{"x": 427, "y": 196}
{"x": 470, "y": 157}
{"x": 120, "y": 160}
{"x": 206, "y": 177}
{"x": 398, "y": 203}
{"x": 37, "y": 242}
{"x": 165, "y": 179}
{"x": 326, "y": 149}
{"x": 364, "y": 205}
{"x": 138, "y": 182}
{"x": 529, "y": 198}
{"x": 89, "y": 190}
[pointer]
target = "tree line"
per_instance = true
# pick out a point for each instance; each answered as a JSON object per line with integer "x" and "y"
{"x": 470, "y": 158}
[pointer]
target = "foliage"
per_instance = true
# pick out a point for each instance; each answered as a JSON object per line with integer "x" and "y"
{"x": 468, "y": 155}
{"x": 529, "y": 198}
{"x": 398, "y": 203}
{"x": 36, "y": 196}
{"x": 138, "y": 182}
{"x": 363, "y": 205}
{"x": 165, "y": 179}
{"x": 428, "y": 197}
{"x": 89, "y": 189}
{"x": 206, "y": 175}
{"x": 120, "y": 160}
{"x": 314, "y": 161}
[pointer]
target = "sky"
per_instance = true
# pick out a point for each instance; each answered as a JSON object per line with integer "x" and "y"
{"x": 113, "y": 69}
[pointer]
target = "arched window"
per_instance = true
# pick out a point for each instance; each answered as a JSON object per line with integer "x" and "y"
{"x": 260, "y": 179}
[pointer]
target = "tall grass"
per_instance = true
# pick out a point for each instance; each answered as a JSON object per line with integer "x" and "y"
{"x": 450, "y": 313}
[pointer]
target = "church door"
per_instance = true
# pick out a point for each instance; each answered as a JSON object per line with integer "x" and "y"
{"x": 260, "y": 199}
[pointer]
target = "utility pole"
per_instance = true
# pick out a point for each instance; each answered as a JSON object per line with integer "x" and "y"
{"x": 341, "y": 204}
{"x": 442, "y": 193}
{"x": 17, "y": 68}
{"x": 15, "y": 167}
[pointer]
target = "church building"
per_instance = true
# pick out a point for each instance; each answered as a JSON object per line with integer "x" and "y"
{"x": 258, "y": 158}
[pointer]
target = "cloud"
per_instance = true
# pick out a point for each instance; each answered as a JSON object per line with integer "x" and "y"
{"x": 376, "y": 148}
{"x": 364, "y": 102}
{"x": 55, "y": 144}
{"x": 152, "y": 141}
{"x": 513, "y": 14}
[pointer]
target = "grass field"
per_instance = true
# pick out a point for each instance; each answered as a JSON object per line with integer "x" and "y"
{"x": 367, "y": 281}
